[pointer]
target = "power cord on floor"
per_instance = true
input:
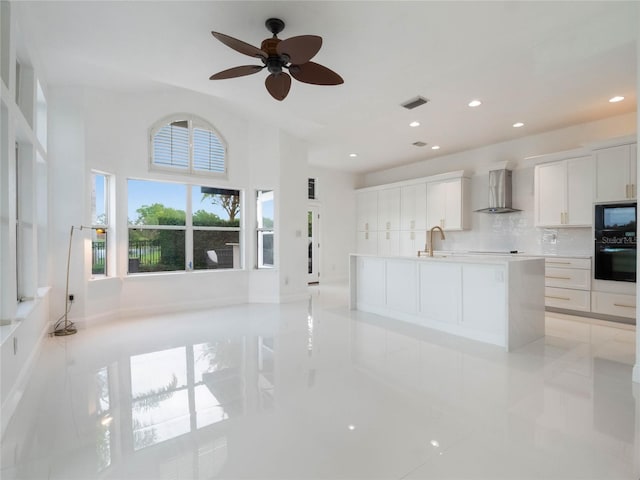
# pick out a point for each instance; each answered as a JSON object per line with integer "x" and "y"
{"x": 61, "y": 319}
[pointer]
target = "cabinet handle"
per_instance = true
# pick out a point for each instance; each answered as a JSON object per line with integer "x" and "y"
{"x": 623, "y": 305}
{"x": 559, "y": 263}
{"x": 366, "y": 235}
{"x": 366, "y": 226}
{"x": 633, "y": 190}
{"x": 626, "y": 191}
{"x": 558, "y": 278}
{"x": 388, "y": 235}
{"x": 413, "y": 224}
{"x": 557, "y": 298}
{"x": 388, "y": 225}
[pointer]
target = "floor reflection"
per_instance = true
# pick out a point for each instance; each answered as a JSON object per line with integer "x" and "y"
{"x": 313, "y": 390}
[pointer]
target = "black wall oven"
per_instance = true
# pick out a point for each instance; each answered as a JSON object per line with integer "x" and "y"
{"x": 615, "y": 242}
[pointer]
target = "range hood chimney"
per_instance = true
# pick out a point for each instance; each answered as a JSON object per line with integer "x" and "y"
{"x": 499, "y": 192}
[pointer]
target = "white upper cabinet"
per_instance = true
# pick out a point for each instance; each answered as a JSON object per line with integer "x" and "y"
{"x": 367, "y": 210}
{"x": 411, "y": 241}
{"x": 448, "y": 204}
{"x": 413, "y": 207}
{"x": 564, "y": 193}
{"x": 616, "y": 173}
{"x": 389, "y": 209}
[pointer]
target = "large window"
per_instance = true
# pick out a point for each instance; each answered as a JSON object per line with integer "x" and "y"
{"x": 265, "y": 224}
{"x": 178, "y": 227}
{"x": 188, "y": 144}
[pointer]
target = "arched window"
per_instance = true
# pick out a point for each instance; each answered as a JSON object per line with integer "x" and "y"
{"x": 188, "y": 144}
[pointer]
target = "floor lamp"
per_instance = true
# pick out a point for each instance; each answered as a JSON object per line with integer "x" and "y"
{"x": 64, "y": 327}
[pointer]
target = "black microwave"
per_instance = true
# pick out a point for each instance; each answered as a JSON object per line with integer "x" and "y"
{"x": 615, "y": 241}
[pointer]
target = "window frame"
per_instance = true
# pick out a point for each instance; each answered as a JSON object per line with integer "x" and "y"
{"x": 260, "y": 231}
{"x": 193, "y": 121}
{"x": 109, "y": 259}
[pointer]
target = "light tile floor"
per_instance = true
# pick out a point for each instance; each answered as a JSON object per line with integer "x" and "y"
{"x": 312, "y": 390}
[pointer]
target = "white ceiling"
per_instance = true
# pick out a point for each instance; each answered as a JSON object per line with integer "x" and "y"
{"x": 547, "y": 64}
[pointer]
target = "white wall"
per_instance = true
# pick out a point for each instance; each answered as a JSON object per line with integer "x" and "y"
{"x": 336, "y": 199}
{"x": 108, "y": 131}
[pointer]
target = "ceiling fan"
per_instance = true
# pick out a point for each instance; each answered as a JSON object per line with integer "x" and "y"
{"x": 293, "y": 54}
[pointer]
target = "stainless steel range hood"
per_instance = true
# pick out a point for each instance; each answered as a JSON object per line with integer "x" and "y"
{"x": 499, "y": 192}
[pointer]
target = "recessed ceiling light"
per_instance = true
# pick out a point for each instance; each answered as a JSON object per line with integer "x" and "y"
{"x": 616, "y": 99}
{"x": 518, "y": 125}
{"x": 475, "y": 103}
{"x": 351, "y": 427}
{"x": 435, "y": 147}
{"x": 414, "y": 124}
{"x": 353, "y": 155}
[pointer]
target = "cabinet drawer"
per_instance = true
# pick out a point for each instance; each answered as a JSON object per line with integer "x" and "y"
{"x": 566, "y": 298}
{"x": 614, "y": 304}
{"x": 583, "y": 263}
{"x": 567, "y": 278}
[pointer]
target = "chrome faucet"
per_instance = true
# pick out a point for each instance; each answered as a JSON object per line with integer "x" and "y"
{"x": 428, "y": 248}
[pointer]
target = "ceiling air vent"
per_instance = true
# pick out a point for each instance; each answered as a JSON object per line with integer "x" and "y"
{"x": 419, "y": 144}
{"x": 414, "y": 102}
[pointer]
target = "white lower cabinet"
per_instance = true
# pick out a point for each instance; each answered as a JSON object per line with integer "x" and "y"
{"x": 568, "y": 283}
{"x": 568, "y": 299}
{"x": 371, "y": 274}
{"x": 484, "y": 287}
{"x": 613, "y": 304}
{"x": 401, "y": 285}
{"x": 440, "y": 289}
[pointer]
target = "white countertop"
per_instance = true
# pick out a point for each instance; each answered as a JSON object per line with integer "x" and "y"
{"x": 457, "y": 257}
{"x": 519, "y": 254}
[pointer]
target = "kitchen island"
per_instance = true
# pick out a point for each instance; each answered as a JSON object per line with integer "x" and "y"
{"x": 492, "y": 299}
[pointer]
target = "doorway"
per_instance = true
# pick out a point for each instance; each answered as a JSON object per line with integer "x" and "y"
{"x": 313, "y": 229}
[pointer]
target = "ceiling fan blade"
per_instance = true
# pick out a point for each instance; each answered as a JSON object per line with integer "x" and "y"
{"x": 239, "y": 45}
{"x": 278, "y": 85}
{"x": 315, "y": 74}
{"x": 236, "y": 72}
{"x": 300, "y": 49}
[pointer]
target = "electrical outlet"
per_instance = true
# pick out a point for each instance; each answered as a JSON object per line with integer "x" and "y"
{"x": 71, "y": 297}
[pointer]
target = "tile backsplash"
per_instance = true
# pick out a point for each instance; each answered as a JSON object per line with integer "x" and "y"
{"x": 515, "y": 231}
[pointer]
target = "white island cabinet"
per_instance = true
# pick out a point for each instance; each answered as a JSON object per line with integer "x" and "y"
{"x": 497, "y": 300}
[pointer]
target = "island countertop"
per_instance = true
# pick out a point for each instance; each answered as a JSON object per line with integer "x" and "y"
{"x": 497, "y": 299}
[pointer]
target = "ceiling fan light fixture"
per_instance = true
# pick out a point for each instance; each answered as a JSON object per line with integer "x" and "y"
{"x": 293, "y": 54}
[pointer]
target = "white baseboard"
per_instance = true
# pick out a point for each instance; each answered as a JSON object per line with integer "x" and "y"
{"x": 180, "y": 307}
{"x": 295, "y": 297}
